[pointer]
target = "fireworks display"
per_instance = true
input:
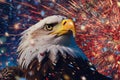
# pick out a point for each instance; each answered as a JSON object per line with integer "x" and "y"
{"x": 97, "y": 26}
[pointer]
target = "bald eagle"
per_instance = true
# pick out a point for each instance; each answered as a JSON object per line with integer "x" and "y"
{"x": 48, "y": 51}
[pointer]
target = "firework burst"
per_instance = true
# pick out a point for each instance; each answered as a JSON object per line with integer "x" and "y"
{"x": 98, "y": 33}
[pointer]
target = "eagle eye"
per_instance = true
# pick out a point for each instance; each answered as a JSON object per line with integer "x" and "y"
{"x": 49, "y": 27}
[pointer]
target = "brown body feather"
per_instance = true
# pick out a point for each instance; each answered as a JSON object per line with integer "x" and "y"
{"x": 68, "y": 68}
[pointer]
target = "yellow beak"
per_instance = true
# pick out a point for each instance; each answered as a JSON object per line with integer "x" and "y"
{"x": 64, "y": 27}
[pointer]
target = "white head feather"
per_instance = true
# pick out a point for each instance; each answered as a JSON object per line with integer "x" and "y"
{"x": 34, "y": 45}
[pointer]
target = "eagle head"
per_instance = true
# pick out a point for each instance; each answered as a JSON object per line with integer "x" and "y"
{"x": 49, "y": 36}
